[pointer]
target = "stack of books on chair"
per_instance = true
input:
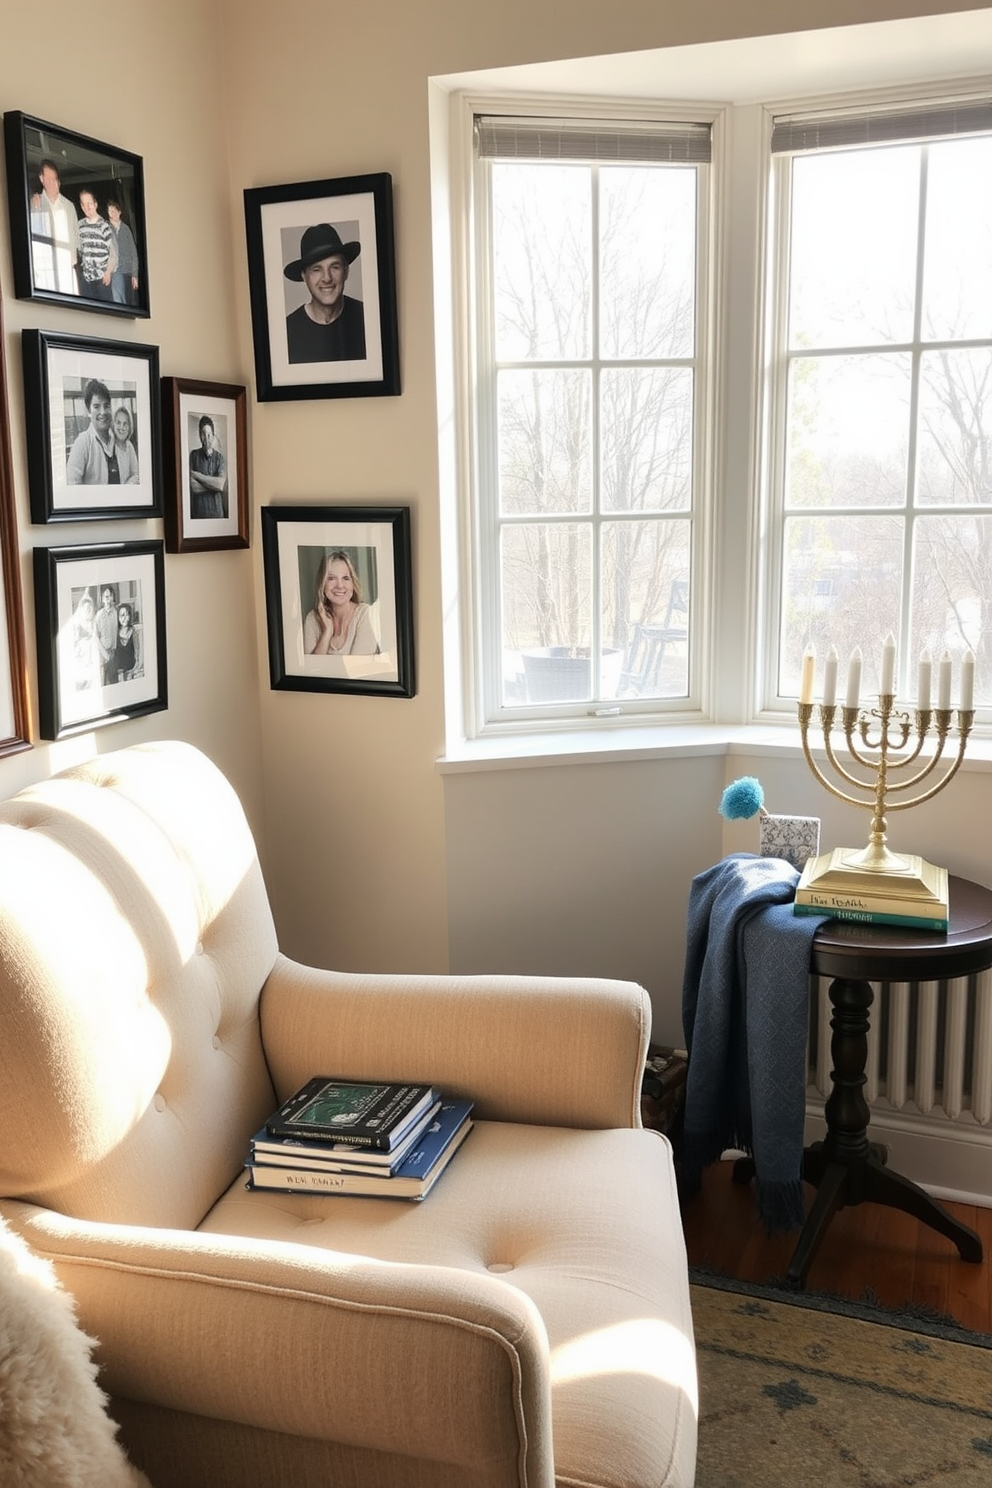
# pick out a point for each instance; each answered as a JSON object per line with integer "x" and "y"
{"x": 385, "y": 1140}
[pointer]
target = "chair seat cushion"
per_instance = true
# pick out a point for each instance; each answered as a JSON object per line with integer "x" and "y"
{"x": 586, "y": 1224}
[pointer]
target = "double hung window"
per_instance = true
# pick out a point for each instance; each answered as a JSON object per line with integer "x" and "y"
{"x": 591, "y": 335}
{"x": 880, "y": 434}
{"x": 608, "y": 465}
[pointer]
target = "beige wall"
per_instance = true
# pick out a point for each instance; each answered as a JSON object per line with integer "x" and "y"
{"x": 374, "y": 859}
{"x": 153, "y": 87}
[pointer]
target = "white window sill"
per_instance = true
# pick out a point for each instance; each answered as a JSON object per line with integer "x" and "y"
{"x": 583, "y": 747}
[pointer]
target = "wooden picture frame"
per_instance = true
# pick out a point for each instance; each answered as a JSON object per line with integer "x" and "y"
{"x": 205, "y": 456}
{"x": 367, "y": 550}
{"x": 80, "y": 395}
{"x": 14, "y": 712}
{"x": 322, "y": 284}
{"x": 90, "y": 673}
{"x": 67, "y": 250}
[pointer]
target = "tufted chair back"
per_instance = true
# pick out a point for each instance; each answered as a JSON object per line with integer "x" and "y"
{"x": 135, "y": 937}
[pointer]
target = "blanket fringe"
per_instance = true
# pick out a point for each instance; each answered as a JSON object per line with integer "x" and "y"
{"x": 780, "y": 1205}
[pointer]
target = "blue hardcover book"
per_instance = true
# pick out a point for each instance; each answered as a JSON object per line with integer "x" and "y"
{"x": 413, "y": 1179}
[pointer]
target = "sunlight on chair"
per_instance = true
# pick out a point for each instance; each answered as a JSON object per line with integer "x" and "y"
{"x": 27, "y": 1265}
{"x": 640, "y": 1346}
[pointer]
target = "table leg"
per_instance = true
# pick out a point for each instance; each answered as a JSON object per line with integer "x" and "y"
{"x": 847, "y": 1169}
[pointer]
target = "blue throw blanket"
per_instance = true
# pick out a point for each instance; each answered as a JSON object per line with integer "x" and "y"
{"x": 745, "y": 1011}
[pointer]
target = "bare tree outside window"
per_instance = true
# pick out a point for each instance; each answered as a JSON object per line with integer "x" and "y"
{"x": 887, "y": 378}
{"x": 594, "y": 341}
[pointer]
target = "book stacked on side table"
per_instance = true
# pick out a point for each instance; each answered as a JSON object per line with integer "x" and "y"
{"x": 384, "y": 1140}
{"x": 827, "y": 887}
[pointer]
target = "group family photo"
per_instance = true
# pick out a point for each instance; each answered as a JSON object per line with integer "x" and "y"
{"x": 100, "y": 619}
{"x": 106, "y": 637}
{"x": 77, "y": 218}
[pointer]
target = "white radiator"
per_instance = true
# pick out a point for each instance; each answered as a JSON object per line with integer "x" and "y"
{"x": 929, "y": 1077}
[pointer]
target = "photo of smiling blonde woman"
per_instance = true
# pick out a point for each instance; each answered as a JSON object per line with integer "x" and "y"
{"x": 340, "y": 622}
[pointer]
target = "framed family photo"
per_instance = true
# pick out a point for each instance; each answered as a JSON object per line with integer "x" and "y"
{"x": 205, "y": 452}
{"x": 91, "y": 410}
{"x": 77, "y": 219}
{"x": 339, "y": 599}
{"x": 100, "y": 617}
{"x": 14, "y": 726}
{"x": 322, "y": 284}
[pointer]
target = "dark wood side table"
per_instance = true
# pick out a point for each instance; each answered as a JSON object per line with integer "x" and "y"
{"x": 845, "y": 1168}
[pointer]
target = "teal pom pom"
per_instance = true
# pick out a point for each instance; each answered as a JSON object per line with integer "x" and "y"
{"x": 742, "y": 798}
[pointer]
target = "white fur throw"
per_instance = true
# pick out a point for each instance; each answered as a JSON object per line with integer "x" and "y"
{"x": 54, "y": 1429}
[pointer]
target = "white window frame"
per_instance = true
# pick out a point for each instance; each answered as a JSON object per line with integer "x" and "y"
{"x": 483, "y": 713}
{"x": 771, "y": 440}
{"x": 736, "y": 581}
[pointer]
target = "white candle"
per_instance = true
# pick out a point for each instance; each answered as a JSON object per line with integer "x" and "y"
{"x": 923, "y": 682}
{"x": 888, "y": 664}
{"x": 967, "y": 682}
{"x": 806, "y": 679}
{"x": 830, "y": 678}
{"x": 944, "y": 682}
{"x": 853, "y": 697}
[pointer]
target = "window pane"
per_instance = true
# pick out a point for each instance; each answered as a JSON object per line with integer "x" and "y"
{"x": 957, "y": 296}
{"x": 841, "y": 587}
{"x": 646, "y": 441}
{"x": 954, "y": 451}
{"x": 545, "y": 460}
{"x": 546, "y": 587}
{"x": 952, "y": 592}
{"x": 854, "y": 237}
{"x": 542, "y": 245}
{"x": 646, "y": 605}
{"x": 647, "y": 261}
{"x": 848, "y": 427}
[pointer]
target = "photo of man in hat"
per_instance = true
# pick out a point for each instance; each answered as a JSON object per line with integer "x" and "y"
{"x": 330, "y": 327}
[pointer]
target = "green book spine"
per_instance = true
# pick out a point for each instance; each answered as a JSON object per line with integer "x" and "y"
{"x": 872, "y": 917}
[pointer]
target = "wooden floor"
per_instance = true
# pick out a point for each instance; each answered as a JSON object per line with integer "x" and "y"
{"x": 868, "y": 1248}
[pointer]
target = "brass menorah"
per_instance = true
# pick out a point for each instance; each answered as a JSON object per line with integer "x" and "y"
{"x": 883, "y": 744}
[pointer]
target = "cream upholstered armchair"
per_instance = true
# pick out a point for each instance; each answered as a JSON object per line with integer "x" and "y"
{"x": 528, "y": 1324}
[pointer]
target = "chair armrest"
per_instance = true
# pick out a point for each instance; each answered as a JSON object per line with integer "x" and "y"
{"x": 549, "y": 1051}
{"x": 313, "y": 1342}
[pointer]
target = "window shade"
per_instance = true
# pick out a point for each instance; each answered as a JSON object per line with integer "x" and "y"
{"x": 510, "y": 138}
{"x": 794, "y": 134}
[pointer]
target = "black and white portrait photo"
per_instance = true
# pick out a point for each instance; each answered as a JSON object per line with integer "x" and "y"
{"x": 205, "y": 455}
{"x": 106, "y": 634}
{"x": 100, "y": 430}
{"x": 325, "y": 320}
{"x": 100, "y": 619}
{"x": 92, "y": 418}
{"x": 209, "y": 484}
{"x": 322, "y": 280}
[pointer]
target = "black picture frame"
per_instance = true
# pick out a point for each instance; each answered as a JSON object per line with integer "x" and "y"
{"x": 64, "y": 463}
{"x": 203, "y": 520}
{"x": 48, "y": 168}
{"x": 76, "y": 690}
{"x": 14, "y": 711}
{"x": 297, "y": 541}
{"x": 351, "y": 218}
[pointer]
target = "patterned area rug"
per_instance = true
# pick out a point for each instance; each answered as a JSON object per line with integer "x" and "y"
{"x": 795, "y": 1393}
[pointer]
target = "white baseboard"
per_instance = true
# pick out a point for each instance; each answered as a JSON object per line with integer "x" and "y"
{"x": 951, "y": 1160}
